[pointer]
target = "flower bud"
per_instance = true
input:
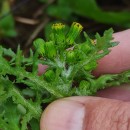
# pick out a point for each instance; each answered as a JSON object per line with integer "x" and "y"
{"x": 74, "y": 31}
{"x": 84, "y": 85}
{"x": 90, "y": 66}
{"x": 58, "y": 30}
{"x": 28, "y": 92}
{"x": 49, "y": 75}
{"x": 70, "y": 56}
{"x": 21, "y": 109}
{"x": 84, "y": 47}
{"x": 50, "y": 49}
{"x": 84, "y": 88}
{"x": 39, "y": 44}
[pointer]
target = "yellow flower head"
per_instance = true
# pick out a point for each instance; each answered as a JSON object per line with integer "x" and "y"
{"x": 58, "y": 26}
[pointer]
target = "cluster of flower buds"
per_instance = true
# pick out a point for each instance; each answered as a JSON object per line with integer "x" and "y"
{"x": 65, "y": 44}
{"x": 45, "y": 48}
{"x": 60, "y": 40}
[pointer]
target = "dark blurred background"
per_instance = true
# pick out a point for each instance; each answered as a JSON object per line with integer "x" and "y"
{"x": 21, "y": 21}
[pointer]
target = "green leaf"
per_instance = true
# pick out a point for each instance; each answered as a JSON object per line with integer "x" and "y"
{"x": 90, "y": 9}
{"x": 34, "y": 124}
{"x": 58, "y": 10}
{"x": 11, "y": 117}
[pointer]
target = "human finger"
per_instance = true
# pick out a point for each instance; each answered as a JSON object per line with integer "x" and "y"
{"x": 118, "y": 59}
{"x": 86, "y": 113}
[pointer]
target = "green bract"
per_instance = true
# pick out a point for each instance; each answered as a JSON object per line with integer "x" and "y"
{"x": 70, "y": 64}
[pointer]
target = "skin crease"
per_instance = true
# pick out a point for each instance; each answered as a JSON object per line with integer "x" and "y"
{"x": 109, "y": 111}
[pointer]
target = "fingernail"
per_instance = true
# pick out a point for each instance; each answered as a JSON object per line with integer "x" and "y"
{"x": 63, "y": 115}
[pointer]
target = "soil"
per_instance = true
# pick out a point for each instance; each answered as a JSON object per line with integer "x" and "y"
{"x": 31, "y": 18}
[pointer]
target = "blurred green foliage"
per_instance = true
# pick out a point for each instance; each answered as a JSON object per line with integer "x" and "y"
{"x": 68, "y": 11}
{"x": 7, "y": 24}
{"x": 89, "y": 8}
{"x": 61, "y": 10}
{"x": 64, "y": 9}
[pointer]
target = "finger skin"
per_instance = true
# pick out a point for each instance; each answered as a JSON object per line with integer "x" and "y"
{"x": 119, "y": 93}
{"x": 42, "y": 69}
{"x": 118, "y": 60}
{"x": 86, "y": 113}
